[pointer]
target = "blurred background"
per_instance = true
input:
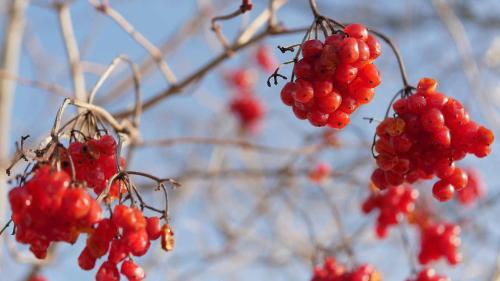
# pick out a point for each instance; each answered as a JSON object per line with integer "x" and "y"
{"x": 247, "y": 208}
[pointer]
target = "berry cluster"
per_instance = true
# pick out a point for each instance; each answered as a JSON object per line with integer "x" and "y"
{"x": 248, "y": 108}
{"x": 127, "y": 233}
{"x": 319, "y": 173}
{"x": 394, "y": 204}
{"x": 47, "y": 208}
{"x": 334, "y": 77}
{"x": 429, "y": 274}
{"x": 474, "y": 189}
{"x": 332, "y": 271}
{"x": 431, "y": 132}
{"x": 245, "y": 105}
{"x": 95, "y": 163}
{"x": 440, "y": 240}
{"x": 264, "y": 58}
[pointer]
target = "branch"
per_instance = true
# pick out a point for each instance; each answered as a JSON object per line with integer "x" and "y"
{"x": 13, "y": 35}
{"x": 243, "y": 144}
{"x": 66, "y": 26}
{"x": 153, "y": 51}
{"x": 200, "y": 73}
{"x": 49, "y": 87}
{"x": 170, "y": 45}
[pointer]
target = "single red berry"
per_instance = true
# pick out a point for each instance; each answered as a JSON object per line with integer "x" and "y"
{"x": 374, "y": 46}
{"x": 416, "y": 103}
{"x": 132, "y": 271}
{"x": 357, "y": 31}
{"x": 338, "y": 119}
{"x": 317, "y": 118}
{"x": 303, "y": 69}
{"x": 288, "y": 92}
{"x": 349, "y": 51}
{"x": 322, "y": 88}
{"x": 304, "y": 92}
{"x": 76, "y": 203}
{"x": 427, "y": 85}
{"x": 329, "y": 103}
{"x": 86, "y": 260}
{"x": 107, "y": 272}
{"x": 443, "y": 190}
{"x": 153, "y": 228}
{"x": 432, "y": 120}
{"x": 312, "y": 48}
{"x": 458, "y": 179}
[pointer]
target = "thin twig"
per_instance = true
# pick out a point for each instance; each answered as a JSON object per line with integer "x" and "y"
{"x": 201, "y": 72}
{"x": 153, "y": 51}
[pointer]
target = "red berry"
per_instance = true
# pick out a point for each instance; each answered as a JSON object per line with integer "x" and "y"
{"x": 458, "y": 179}
{"x": 312, "y": 48}
{"x": 132, "y": 271}
{"x": 432, "y": 120}
{"x": 107, "y": 272}
{"x": 86, "y": 260}
{"x": 303, "y": 69}
{"x": 288, "y": 93}
{"x": 443, "y": 190}
{"x": 374, "y": 46}
{"x": 357, "y": 31}
{"x": 329, "y": 103}
{"x": 338, "y": 119}
{"x": 317, "y": 118}
{"x": 349, "y": 51}
{"x": 153, "y": 228}
{"x": 304, "y": 92}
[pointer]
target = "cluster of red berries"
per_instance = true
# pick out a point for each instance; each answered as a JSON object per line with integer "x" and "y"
{"x": 335, "y": 77}
{"x": 319, "y": 173}
{"x": 127, "y": 233}
{"x": 431, "y": 132}
{"x": 95, "y": 163}
{"x": 248, "y": 108}
{"x": 429, "y": 274}
{"x": 332, "y": 271}
{"x": 48, "y": 208}
{"x": 474, "y": 189}
{"x": 244, "y": 104}
{"x": 394, "y": 204}
{"x": 264, "y": 58}
{"x": 440, "y": 240}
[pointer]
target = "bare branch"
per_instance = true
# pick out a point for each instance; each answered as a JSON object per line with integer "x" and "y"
{"x": 66, "y": 26}
{"x": 138, "y": 37}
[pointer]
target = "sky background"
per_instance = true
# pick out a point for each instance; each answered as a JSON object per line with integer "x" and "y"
{"x": 425, "y": 45}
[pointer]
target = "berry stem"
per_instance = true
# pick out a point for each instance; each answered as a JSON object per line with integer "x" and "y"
{"x": 402, "y": 69}
{"x": 57, "y": 122}
{"x": 314, "y": 8}
{"x": 5, "y": 226}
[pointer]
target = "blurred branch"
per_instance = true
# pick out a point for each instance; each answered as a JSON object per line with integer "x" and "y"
{"x": 171, "y": 44}
{"x": 49, "y": 87}
{"x": 200, "y": 73}
{"x": 11, "y": 53}
{"x": 155, "y": 53}
{"x": 469, "y": 64}
{"x": 67, "y": 31}
{"x": 243, "y": 144}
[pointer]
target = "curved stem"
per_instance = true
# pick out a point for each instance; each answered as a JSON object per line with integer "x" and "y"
{"x": 399, "y": 58}
{"x": 57, "y": 122}
{"x": 314, "y": 8}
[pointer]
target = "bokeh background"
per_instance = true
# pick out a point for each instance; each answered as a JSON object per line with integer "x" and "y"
{"x": 247, "y": 213}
